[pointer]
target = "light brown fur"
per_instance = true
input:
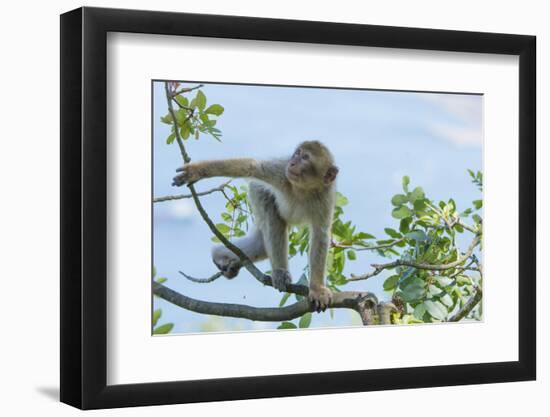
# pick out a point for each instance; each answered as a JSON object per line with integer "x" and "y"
{"x": 300, "y": 189}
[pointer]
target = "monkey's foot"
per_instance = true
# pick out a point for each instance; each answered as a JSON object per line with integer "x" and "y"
{"x": 320, "y": 298}
{"x": 229, "y": 267}
{"x": 280, "y": 278}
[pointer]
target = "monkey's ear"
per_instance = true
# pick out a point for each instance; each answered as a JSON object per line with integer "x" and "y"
{"x": 330, "y": 175}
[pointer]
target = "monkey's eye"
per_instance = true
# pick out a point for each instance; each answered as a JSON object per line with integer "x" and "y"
{"x": 305, "y": 157}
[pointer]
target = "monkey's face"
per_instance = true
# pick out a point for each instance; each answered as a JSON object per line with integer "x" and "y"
{"x": 300, "y": 169}
{"x": 309, "y": 169}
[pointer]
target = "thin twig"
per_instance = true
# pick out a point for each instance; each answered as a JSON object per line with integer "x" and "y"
{"x": 187, "y": 90}
{"x": 219, "y": 188}
{"x": 181, "y": 106}
{"x": 466, "y": 226}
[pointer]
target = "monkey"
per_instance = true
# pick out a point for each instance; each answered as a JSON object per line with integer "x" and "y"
{"x": 297, "y": 190}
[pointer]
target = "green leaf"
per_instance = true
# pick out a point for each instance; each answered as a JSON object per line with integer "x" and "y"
{"x": 419, "y": 204}
{"x": 414, "y": 289}
{"x": 392, "y": 233}
{"x": 417, "y": 235}
{"x": 166, "y": 119}
{"x": 443, "y": 281}
{"x": 399, "y": 199}
{"x": 287, "y": 325}
{"x": 185, "y": 131}
{"x": 436, "y": 309}
{"x": 201, "y": 100}
{"x": 419, "y": 311}
{"x": 305, "y": 321}
{"x": 413, "y": 292}
{"x": 302, "y": 281}
{"x": 404, "y": 225}
{"x": 433, "y": 290}
{"x": 463, "y": 280}
{"x": 161, "y": 280}
{"x": 165, "y": 328}
{"x": 170, "y": 138}
{"x": 363, "y": 235}
{"x": 215, "y": 109}
{"x": 156, "y": 316}
{"x": 222, "y": 227}
{"x": 401, "y": 212}
{"x": 477, "y": 218}
{"x": 406, "y": 181}
{"x": 284, "y": 299}
{"x": 466, "y": 212}
{"x": 477, "y": 204}
{"x": 181, "y": 116}
{"x": 352, "y": 256}
{"x": 391, "y": 282}
{"x": 182, "y": 100}
{"x": 452, "y": 204}
{"x": 341, "y": 200}
{"x": 447, "y": 300}
{"x": 416, "y": 194}
{"x": 204, "y": 118}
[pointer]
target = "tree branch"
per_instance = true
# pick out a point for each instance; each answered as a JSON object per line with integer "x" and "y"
{"x": 345, "y": 299}
{"x": 360, "y": 248}
{"x": 430, "y": 267}
{"x": 468, "y": 306}
{"x": 219, "y": 188}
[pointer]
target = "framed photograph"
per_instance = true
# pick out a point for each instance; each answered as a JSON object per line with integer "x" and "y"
{"x": 260, "y": 208}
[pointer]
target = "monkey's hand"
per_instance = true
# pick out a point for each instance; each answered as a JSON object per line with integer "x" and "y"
{"x": 320, "y": 297}
{"x": 280, "y": 278}
{"x": 189, "y": 174}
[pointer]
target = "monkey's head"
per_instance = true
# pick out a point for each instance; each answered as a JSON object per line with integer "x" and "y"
{"x": 311, "y": 166}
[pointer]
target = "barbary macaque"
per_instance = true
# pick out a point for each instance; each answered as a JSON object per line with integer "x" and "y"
{"x": 297, "y": 190}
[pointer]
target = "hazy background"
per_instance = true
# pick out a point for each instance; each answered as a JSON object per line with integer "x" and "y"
{"x": 376, "y": 137}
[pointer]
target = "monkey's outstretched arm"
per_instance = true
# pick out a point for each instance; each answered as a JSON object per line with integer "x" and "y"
{"x": 267, "y": 171}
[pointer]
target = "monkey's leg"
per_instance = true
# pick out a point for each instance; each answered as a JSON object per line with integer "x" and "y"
{"x": 275, "y": 234}
{"x": 229, "y": 264}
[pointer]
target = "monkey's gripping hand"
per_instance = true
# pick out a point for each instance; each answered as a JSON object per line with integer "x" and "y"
{"x": 189, "y": 174}
{"x": 280, "y": 278}
{"x": 320, "y": 297}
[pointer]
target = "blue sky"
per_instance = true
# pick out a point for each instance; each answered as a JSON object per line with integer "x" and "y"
{"x": 376, "y": 137}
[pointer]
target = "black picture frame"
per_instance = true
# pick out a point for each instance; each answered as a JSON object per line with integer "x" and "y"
{"x": 84, "y": 207}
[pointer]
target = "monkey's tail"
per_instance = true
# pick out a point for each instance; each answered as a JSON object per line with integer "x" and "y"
{"x": 202, "y": 280}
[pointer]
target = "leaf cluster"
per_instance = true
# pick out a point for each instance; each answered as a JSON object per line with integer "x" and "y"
{"x": 193, "y": 117}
